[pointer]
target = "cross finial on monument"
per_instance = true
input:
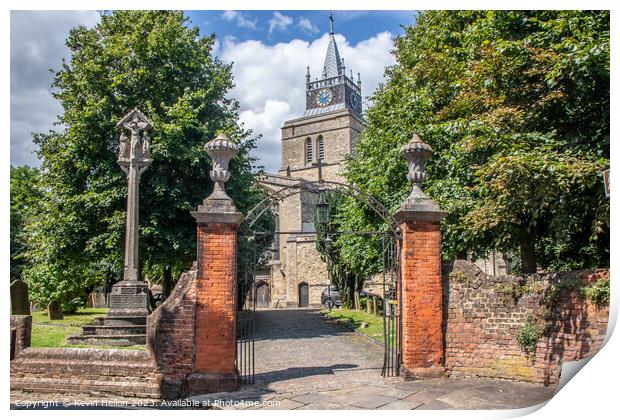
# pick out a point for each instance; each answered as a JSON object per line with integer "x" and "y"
{"x": 331, "y": 23}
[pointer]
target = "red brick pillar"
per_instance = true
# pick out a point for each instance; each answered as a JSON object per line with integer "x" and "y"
{"x": 216, "y": 292}
{"x": 216, "y": 305}
{"x": 422, "y": 311}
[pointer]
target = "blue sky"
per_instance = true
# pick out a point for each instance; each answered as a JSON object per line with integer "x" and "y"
{"x": 269, "y": 50}
{"x": 358, "y": 25}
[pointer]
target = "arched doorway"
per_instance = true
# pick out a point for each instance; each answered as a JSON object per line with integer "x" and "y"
{"x": 303, "y": 294}
{"x": 262, "y": 295}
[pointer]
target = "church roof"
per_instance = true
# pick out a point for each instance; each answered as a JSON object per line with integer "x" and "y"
{"x": 323, "y": 110}
{"x": 333, "y": 64}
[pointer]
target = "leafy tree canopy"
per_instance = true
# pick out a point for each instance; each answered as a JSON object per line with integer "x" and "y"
{"x": 515, "y": 105}
{"x": 25, "y": 199}
{"x": 155, "y": 61}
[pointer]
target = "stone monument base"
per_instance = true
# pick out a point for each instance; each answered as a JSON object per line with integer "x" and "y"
{"x": 129, "y": 298}
{"x": 125, "y": 324}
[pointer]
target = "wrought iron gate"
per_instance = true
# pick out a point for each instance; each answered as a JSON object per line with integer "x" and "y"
{"x": 254, "y": 251}
{"x": 247, "y": 263}
{"x": 392, "y": 294}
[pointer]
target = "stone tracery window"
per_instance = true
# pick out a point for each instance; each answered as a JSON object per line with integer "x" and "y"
{"x": 320, "y": 147}
{"x": 308, "y": 150}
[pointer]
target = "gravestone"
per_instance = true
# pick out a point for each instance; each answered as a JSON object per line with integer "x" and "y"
{"x": 54, "y": 310}
{"x": 20, "y": 304}
{"x": 96, "y": 300}
{"x": 370, "y": 305}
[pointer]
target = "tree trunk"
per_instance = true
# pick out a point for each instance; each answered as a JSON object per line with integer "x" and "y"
{"x": 166, "y": 283}
{"x": 528, "y": 254}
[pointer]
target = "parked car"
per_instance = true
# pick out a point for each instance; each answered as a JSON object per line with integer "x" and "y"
{"x": 330, "y": 297}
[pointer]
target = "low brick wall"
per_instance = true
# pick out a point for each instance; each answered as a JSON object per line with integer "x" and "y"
{"x": 484, "y": 315}
{"x": 159, "y": 372}
{"x": 21, "y": 332}
{"x": 110, "y": 372}
{"x": 170, "y": 335}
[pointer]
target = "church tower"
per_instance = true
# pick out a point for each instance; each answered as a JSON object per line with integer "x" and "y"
{"x": 331, "y": 123}
{"x": 326, "y": 132}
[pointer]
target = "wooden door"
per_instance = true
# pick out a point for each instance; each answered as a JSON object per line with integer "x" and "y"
{"x": 262, "y": 296}
{"x": 303, "y": 295}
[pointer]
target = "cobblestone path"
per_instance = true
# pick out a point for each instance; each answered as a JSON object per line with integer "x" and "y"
{"x": 306, "y": 362}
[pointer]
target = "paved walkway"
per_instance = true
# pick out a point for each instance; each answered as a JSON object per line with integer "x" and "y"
{"x": 306, "y": 362}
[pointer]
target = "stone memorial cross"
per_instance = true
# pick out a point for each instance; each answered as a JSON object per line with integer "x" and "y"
{"x": 130, "y": 296}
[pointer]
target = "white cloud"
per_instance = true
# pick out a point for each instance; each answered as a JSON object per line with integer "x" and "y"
{"x": 305, "y": 25}
{"x": 37, "y": 43}
{"x": 240, "y": 19}
{"x": 270, "y": 80}
{"x": 279, "y": 22}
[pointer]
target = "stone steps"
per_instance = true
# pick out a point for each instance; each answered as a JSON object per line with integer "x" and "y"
{"x": 86, "y": 371}
{"x": 109, "y": 330}
{"x": 115, "y": 330}
{"x": 120, "y": 320}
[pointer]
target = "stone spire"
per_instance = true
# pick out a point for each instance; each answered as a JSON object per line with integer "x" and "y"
{"x": 333, "y": 64}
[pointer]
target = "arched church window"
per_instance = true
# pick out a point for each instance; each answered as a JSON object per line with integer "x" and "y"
{"x": 320, "y": 147}
{"x": 308, "y": 150}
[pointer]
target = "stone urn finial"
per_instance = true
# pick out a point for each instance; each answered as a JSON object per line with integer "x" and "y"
{"x": 417, "y": 203}
{"x": 221, "y": 150}
{"x": 417, "y": 153}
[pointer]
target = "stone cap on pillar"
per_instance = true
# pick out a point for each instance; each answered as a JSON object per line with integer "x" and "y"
{"x": 218, "y": 207}
{"x": 417, "y": 206}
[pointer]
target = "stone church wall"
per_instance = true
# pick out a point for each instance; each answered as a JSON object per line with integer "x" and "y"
{"x": 339, "y": 131}
{"x": 277, "y": 286}
{"x": 485, "y": 314}
{"x": 304, "y": 264}
{"x": 311, "y": 269}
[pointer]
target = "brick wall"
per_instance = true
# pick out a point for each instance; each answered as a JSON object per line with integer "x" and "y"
{"x": 484, "y": 317}
{"x": 192, "y": 335}
{"x": 110, "y": 372}
{"x": 170, "y": 334}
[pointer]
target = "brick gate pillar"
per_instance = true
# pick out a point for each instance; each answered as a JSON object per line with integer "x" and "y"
{"x": 421, "y": 312}
{"x": 216, "y": 294}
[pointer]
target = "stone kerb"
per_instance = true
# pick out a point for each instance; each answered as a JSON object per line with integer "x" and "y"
{"x": 421, "y": 311}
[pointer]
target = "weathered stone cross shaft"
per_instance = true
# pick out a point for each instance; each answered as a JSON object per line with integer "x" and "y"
{"x": 130, "y": 295}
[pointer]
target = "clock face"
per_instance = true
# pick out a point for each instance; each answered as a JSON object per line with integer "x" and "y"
{"x": 324, "y": 97}
{"x": 355, "y": 100}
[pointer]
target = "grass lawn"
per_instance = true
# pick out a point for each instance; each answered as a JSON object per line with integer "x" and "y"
{"x": 375, "y": 323}
{"x": 81, "y": 317}
{"x": 54, "y": 333}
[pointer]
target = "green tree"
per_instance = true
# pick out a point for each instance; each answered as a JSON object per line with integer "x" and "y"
{"x": 515, "y": 105}
{"x": 25, "y": 199}
{"x": 153, "y": 60}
